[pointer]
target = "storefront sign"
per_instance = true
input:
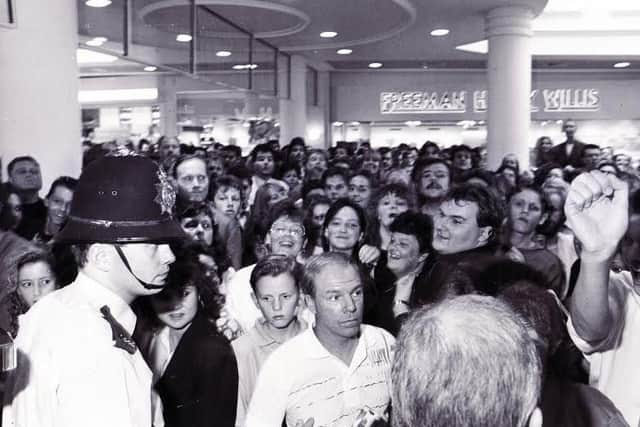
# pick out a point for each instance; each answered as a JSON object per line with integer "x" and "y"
{"x": 549, "y": 100}
{"x": 422, "y": 102}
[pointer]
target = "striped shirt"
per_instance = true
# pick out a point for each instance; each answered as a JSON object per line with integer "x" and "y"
{"x": 302, "y": 380}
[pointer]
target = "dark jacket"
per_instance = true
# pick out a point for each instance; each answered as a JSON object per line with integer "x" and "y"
{"x": 200, "y": 384}
{"x": 558, "y": 154}
{"x": 567, "y": 404}
{"x": 455, "y": 274}
{"x": 385, "y": 285}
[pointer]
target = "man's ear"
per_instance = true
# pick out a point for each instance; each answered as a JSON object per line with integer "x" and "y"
{"x": 535, "y": 420}
{"x": 485, "y": 235}
{"x": 100, "y": 257}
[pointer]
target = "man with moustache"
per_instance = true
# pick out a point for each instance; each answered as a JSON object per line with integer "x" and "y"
{"x": 190, "y": 174}
{"x": 432, "y": 178}
{"x": 332, "y": 373}
{"x": 77, "y": 363}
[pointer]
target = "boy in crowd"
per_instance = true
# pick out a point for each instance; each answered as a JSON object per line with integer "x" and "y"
{"x": 329, "y": 374}
{"x": 274, "y": 282}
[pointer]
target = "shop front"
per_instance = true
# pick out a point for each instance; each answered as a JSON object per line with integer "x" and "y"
{"x": 449, "y": 108}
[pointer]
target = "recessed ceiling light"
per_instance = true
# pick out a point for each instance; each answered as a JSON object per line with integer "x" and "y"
{"x": 328, "y": 34}
{"x": 344, "y": 52}
{"x": 355, "y": 123}
{"x": 621, "y": 64}
{"x": 439, "y": 32}
{"x": 98, "y": 3}
{"x": 413, "y": 123}
{"x": 223, "y": 53}
{"x": 375, "y": 65}
{"x": 150, "y": 68}
{"x": 184, "y": 38}
{"x": 338, "y": 123}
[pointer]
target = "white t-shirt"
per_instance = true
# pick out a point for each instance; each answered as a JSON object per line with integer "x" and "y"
{"x": 302, "y": 380}
{"x": 615, "y": 361}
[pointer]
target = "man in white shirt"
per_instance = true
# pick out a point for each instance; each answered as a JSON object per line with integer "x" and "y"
{"x": 605, "y": 306}
{"x": 77, "y": 363}
{"x": 333, "y": 373}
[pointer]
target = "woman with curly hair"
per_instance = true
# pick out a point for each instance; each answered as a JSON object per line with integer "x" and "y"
{"x": 31, "y": 277}
{"x": 386, "y": 204}
{"x": 194, "y": 368}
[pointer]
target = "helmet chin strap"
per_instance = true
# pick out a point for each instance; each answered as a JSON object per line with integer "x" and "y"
{"x": 126, "y": 264}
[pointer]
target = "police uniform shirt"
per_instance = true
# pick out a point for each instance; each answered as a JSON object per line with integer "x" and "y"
{"x": 70, "y": 373}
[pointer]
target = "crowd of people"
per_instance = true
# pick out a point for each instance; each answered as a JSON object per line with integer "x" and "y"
{"x": 181, "y": 286}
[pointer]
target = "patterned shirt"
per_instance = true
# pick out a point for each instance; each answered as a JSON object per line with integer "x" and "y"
{"x": 302, "y": 380}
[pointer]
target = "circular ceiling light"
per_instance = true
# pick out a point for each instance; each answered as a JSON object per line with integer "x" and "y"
{"x": 150, "y": 68}
{"x": 621, "y": 64}
{"x": 184, "y": 38}
{"x": 413, "y": 123}
{"x": 98, "y": 3}
{"x": 344, "y": 52}
{"x": 223, "y": 53}
{"x": 439, "y": 32}
{"x": 328, "y": 34}
{"x": 375, "y": 65}
{"x": 338, "y": 123}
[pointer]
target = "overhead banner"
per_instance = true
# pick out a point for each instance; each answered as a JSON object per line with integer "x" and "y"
{"x": 433, "y": 102}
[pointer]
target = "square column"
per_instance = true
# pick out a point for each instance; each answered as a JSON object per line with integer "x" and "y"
{"x": 39, "y": 109}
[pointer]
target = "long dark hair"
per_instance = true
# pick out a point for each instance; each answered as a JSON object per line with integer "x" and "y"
{"x": 188, "y": 270}
{"x": 333, "y": 211}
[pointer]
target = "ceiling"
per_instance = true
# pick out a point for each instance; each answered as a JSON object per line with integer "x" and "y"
{"x": 393, "y": 32}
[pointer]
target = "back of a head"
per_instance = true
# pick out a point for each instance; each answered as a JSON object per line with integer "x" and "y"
{"x": 467, "y": 361}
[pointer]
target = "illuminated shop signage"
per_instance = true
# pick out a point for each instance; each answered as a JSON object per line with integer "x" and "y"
{"x": 422, "y": 102}
{"x": 425, "y": 102}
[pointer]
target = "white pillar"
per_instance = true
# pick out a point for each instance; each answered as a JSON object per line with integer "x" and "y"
{"x": 509, "y": 79}
{"x": 365, "y": 131}
{"x": 39, "y": 109}
{"x": 293, "y": 111}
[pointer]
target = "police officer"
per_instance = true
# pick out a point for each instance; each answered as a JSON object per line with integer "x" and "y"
{"x": 77, "y": 363}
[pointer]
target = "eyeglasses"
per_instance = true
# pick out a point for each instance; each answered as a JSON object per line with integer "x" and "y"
{"x": 281, "y": 230}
